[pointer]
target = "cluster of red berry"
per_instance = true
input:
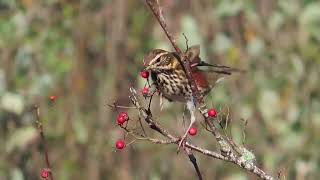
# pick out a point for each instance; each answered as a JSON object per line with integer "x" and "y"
{"x": 121, "y": 119}
{"x": 211, "y": 113}
{"x": 124, "y": 117}
{"x": 145, "y": 90}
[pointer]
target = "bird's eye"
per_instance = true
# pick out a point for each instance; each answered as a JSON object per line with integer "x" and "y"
{"x": 158, "y": 60}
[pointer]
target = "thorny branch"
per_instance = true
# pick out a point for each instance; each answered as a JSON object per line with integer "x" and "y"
{"x": 43, "y": 140}
{"x": 172, "y": 139}
{"x": 225, "y": 147}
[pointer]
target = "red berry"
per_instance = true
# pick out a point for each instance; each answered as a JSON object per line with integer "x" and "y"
{"x": 122, "y": 118}
{"x": 52, "y": 98}
{"x": 193, "y": 131}
{"x": 120, "y": 144}
{"x": 145, "y": 91}
{"x": 144, "y": 74}
{"x": 212, "y": 113}
{"x": 45, "y": 173}
{"x": 125, "y": 115}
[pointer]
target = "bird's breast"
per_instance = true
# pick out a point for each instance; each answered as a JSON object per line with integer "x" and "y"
{"x": 174, "y": 86}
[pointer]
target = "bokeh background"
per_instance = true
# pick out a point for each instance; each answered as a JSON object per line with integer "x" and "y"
{"x": 89, "y": 52}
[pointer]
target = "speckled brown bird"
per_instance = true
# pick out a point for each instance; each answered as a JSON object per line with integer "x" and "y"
{"x": 169, "y": 76}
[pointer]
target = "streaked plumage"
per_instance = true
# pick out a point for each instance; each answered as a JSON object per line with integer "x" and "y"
{"x": 168, "y": 74}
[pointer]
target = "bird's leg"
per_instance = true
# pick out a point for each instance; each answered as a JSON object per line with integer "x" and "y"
{"x": 161, "y": 102}
{"x": 183, "y": 117}
{"x": 191, "y": 108}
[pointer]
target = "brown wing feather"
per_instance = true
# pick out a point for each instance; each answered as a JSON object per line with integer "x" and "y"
{"x": 200, "y": 79}
{"x": 193, "y": 54}
{"x": 206, "y": 79}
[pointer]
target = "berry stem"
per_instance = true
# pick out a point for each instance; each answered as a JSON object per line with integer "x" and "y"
{"x": 43, "y": 141}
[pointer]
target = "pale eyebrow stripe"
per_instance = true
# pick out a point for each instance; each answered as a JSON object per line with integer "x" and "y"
{"x": 157, "y": 56}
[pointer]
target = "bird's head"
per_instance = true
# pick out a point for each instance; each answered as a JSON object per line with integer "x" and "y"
{"x": 159, "y": 60}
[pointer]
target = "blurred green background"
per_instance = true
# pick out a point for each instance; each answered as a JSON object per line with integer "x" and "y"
{"x": 89, "y": 52}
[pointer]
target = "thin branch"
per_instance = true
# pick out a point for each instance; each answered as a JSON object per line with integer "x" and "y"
{"x": 144, "y": 132}
{"x": 187, "y": 44}
{"x": 114, "y": 105}
{"x": 193, "y": 160}
{"x": 160, "y": 18}
{"x": 43, "y": 141}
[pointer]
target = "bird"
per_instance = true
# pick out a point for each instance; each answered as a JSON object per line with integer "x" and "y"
{"x": 170, "y": 78}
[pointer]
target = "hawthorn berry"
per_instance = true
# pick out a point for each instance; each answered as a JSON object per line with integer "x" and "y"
{"x": 44, "y": 173}
{"x": 125, "y": 115}
{"x": 122, "y": 118}
{"x": 120, "y": 144}
{"x": 145, "y": 91}
{"x": 53, "y": 98}
{"x": 144, "y": 74}
{"x": 212, "y": 113}
{"x": 193, "y": 131}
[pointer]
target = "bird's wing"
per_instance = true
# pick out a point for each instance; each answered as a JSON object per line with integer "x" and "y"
{"x": 216, "y": 68}
{"x": 207, "y": 75}
{"x": 193, "y": 54}
{"x": 206, "y": 80}
{"x": 196, "y": 63}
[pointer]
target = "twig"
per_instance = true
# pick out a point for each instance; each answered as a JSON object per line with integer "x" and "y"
{"x": 144, "y": 132}
{"x": 244, "y": 130}
{"x": 43, "y": 141}
{"x": 187, "y": 44}
{"x": 193, "y": 160}
{"x": 160, "y": 18}
{"x": 114, "y": 105}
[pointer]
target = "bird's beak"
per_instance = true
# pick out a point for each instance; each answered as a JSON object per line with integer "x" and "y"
{"x": 147, "y": 68}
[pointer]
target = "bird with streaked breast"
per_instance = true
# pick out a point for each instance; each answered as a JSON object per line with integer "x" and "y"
{"x": 170, "y": 78}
